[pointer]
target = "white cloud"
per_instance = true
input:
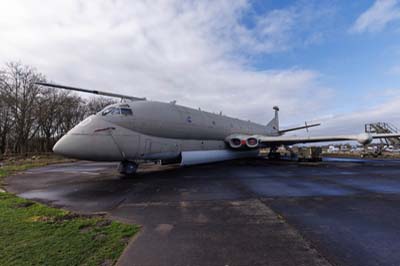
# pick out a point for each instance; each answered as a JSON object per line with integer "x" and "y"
{"x": 381, "y": 13}
{"x": 302, "y": 24}
{"x": 394, "y": 70}
{"x": 191, "y": 51}
{"x": 353, "y": 123}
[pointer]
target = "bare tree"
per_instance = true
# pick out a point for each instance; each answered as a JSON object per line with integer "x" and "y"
{"x": 73, "y": 111}
{"x": 32, "y": 117}
{"x": 5, "y": 111}
{"x": 96, "y": 104}
{"x": 22, "y": 94}
{"x": 50, "y": 115}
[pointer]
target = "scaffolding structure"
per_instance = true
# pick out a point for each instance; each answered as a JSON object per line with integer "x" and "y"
{"x": 383, "y": 128}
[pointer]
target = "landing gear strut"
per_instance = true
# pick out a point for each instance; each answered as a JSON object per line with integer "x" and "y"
{"x": 273, "y": 154}
{"x": 127, "y": 168}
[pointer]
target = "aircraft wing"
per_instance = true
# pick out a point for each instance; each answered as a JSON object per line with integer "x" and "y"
{"x": 272, "y": 141}
{"x": 109, "y": 94}
{"x": 253, "y": 141}
{"x": 283, "y": 131}
{"x": 363, "y": 138}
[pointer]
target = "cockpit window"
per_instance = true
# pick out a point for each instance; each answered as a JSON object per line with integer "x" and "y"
{"x": 117, "y": 111}
{"x": 107, "y": 111}
{"x": 126, "y": 111}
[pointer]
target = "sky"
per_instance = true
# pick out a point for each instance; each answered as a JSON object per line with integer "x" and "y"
{"x": 335, "y": 62}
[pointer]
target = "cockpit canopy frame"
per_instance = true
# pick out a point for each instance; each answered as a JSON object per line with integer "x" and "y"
{"x": 122, "y": 109}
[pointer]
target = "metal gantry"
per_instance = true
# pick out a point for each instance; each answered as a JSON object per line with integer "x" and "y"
{"x": 384, "y": 127}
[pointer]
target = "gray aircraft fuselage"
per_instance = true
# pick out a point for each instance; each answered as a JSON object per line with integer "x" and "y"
{"x": 149, "y": 130}
{"x": 141, "y": 130}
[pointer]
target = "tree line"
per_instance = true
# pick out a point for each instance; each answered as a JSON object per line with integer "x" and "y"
{"x": 33, "y": 117}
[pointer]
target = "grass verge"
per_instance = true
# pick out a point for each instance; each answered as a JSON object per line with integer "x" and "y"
{"x": 35, "y": 234}
{"x": 11, "y": 166}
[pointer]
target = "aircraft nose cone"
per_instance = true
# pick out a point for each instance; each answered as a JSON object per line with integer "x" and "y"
{"x": 61, "y": 146}
{"x": 86, "y": 142}
{"x": 88, "y": 147}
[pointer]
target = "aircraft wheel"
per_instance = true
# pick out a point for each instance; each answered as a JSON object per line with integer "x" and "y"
{"x": 127, "y": 168}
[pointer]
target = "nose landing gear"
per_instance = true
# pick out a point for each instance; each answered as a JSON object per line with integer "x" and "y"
{"x": 127, "y": 168}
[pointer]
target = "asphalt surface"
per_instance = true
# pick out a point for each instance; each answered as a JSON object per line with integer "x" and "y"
{"x": 340, "y": 212}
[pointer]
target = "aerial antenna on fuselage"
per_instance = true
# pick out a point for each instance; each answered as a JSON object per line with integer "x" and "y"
{"x": 103, "y": 93}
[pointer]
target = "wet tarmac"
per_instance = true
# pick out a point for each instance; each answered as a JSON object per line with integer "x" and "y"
{"x": 338, "y": 212}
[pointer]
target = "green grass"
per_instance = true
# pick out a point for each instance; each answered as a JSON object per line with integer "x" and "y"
{"x": 35, "y": 234}
{"x": 13, "y": 168}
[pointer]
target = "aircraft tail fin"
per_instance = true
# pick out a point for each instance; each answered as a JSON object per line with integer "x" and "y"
{"x": 273, "y": 125}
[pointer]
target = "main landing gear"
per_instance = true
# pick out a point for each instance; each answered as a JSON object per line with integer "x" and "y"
{"x": 273, "y": 154}
{"x": 127, "y": 168}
